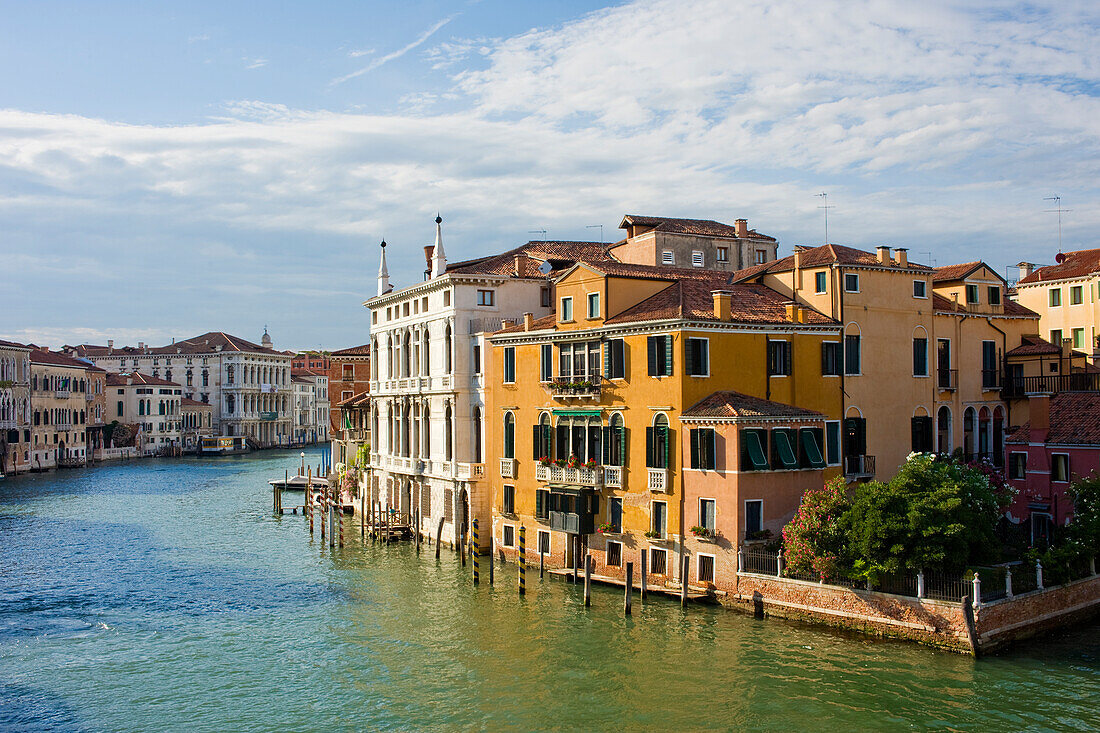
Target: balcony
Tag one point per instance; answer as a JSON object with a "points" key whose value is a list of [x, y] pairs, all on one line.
{"points": [[575, 388], [613, 476], [658, 480], [859, 466], [569, 476], [948, 380], [61, 394], [470, 471], [507, 467], [1016, 387]]}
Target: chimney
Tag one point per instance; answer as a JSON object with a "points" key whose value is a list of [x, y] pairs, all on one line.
{"points": [[1026, 268], [528, 321], [792, 311], [741, 227], [507, 323], [901, 257], [721, 304], [883, 254], [520, 268], [110, 346], [1038, 413]]}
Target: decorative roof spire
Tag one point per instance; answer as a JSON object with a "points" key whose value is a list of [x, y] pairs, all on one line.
{"points": [[384, 273], [439, 259]]}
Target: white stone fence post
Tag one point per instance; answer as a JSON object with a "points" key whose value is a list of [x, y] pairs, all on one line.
{"points": [[1008, 583], [740, 559], [1039, 575], [977, 592], [779, 564], [920, 583]]}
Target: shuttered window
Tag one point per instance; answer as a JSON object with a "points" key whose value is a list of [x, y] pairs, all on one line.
{"points": [[753, 455], [920, 357], [614, 360], [697, 357], [783, 450], [546, 362], [779, 358], [922, 434], [811, 441], [702, 448], [509, 365], [659, 356], [832, 359], [657, 446], [851, 354]]}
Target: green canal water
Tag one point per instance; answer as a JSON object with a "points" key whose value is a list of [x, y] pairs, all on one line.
{"points": [[162, 595]]}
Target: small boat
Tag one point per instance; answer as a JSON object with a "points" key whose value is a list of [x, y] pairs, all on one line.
{"points": [[298, 483], [223, 446]]}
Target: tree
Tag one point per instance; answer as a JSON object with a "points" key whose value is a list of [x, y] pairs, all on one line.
{"points": [[813, 541]]}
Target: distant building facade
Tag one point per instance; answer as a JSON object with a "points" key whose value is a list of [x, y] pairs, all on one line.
{"points": [[197, 423], [15, 407], [697, 243], [1066, 295], [315, 361], [311, 406], [348, 376], [151, 404], [62, 390]]}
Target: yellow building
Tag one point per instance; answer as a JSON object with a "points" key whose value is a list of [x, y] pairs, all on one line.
{"points": [[1066, 295], [583, 416], [65, 393], [923, 350]]}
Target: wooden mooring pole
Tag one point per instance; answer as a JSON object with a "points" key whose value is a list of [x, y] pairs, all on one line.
{"points": [[645, 580], [309, 504], [438, 537], [587, 580], [684, 582], [522, 560], [492, 541], [362, 513], [629, 587], [474, 554]]}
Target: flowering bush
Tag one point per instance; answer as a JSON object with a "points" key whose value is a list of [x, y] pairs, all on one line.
{"points": [[605, 528], [812, 541], [545, 461], [700, 531]]}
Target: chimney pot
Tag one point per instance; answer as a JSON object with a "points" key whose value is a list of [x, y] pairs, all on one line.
{"points": [[883, 254], [1026, 268], [792, 311], [722, 304], [901, 257], [520, 265], [741, 227], [528, 320]]}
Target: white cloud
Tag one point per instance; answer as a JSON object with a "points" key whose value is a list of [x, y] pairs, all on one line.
{"points": [[254, 63], [382, 60]]}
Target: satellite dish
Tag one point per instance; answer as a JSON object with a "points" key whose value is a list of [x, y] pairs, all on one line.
{"points": [[1059, 258], [545, 268]]}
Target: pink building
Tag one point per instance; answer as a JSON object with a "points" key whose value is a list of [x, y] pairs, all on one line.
{"points": [[1059, 445]]}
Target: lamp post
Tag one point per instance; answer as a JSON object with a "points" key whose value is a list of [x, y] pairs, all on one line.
{"points": [[303, 454]]}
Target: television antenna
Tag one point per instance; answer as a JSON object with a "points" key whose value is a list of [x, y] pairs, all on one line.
{"points": [[1059, 210], [825, 206], [593, 226], [538, 231]]}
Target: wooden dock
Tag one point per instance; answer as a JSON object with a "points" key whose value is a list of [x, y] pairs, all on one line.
{"points": [[694, 595]]}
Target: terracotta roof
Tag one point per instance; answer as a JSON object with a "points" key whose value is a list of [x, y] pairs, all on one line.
{"points": [[1079, 263], [734, 404], [363, 350], [538, 324], [948, 273], [137, 379], [207, 343], [1072, 420], [614, 268], [13, 344], [559, 253], [693, 300], [826, 254], [188, 402], [306, 373], [1008, 307], [41, 356], [1034, 346], [355, 400], [704, 227]]}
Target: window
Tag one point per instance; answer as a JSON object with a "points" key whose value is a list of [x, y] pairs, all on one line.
{"points": [[542, 504], [761, 256], [1055, 297], [477, 358], [509, 536], [706, 515], [615, 359], [697, 258], [921, 429], [424, 304], [754, 518], [1056, 336], [566, 310], [659, 518], [120, 407], [485, 297], [832, 359], [779, 358], [851, 283], [706, 568], [579, 360], [658, 561], [820, 282], [851, 354], [697, 357], [510, 365], [1017, 465], [972, 294], [509, 500], [593, 305], [832, 442], [509, 435], [446, 298], [989, 365], [668, 258], [920, 289], [657, 443], [783, 449], [994, 295], [702, 448], [544, 542], [1078, 338], [546, 362], [614, 442], [920, 357], [544, 297], [722, 254], [1059, 467], [754, 455], [1077, 295], [659, 356], [615, 513], [614, 554]]}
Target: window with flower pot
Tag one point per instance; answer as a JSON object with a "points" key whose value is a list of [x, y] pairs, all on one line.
{"points": [[658, 519], [707, 509], [579, 361], [578, 441], [615, 513]]}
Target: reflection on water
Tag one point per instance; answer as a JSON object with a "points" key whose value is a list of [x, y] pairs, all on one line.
{"points": [[163, 595]]}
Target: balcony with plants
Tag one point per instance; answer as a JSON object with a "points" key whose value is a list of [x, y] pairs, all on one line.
{"points": [[576, 388]]}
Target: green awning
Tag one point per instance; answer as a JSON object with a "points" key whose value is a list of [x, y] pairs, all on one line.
{"points": [[811, 449], [755, 450], [784, 448], [577, 413]]}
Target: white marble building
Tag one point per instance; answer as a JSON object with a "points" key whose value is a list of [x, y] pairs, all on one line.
{"points": [[311, 406]]}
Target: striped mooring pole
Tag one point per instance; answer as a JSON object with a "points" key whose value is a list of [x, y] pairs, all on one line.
{"points": [[474, 554], [522, 560]]}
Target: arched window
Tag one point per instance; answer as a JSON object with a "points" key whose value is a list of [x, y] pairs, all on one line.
{"points": [[943, 430], [985, 433], [230, 403], [426, 338], [853, 360], [406, 356], [509, 435], [448, 434], [969, 418], [616, 441], [658, 442], [448, 350], [477, 435], [389, 356]]}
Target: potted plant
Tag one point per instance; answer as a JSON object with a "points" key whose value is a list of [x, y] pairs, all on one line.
{"points": [[574, 462], [560, 462], [605, 528], [653, 534], [544, 460], [591, 464], [700, 531]]}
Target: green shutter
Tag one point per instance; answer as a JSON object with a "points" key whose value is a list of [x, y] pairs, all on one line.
{"points": [[810, 439], [649, 448], [668, 356], [754, 451], [651, 347], [607, 359], [784, 448], [667, 433], [694, 435], [622, 445], [712, 453]]}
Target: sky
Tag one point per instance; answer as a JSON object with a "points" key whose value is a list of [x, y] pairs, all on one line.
{"points": [[168, 169]]}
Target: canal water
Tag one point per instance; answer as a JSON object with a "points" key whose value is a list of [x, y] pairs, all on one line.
{"points": [[163, 595]]}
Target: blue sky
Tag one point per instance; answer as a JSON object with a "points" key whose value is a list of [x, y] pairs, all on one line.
{"points": [[167, 169]]}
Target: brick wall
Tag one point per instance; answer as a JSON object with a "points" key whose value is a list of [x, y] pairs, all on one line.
{"points": [[1005, 621]]}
